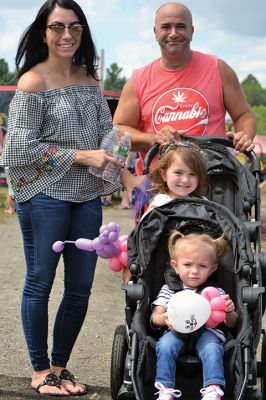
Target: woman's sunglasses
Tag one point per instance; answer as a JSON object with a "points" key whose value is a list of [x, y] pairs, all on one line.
{"points": [[75, 29]]}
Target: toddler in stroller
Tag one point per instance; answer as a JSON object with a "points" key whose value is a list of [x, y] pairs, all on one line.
{"points": [[241, 274], [193, 258]]}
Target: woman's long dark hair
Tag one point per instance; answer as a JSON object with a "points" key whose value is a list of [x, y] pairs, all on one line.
{"points": [[32, 49]]}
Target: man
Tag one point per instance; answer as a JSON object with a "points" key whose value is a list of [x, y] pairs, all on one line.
{"points": [[183, 93]]}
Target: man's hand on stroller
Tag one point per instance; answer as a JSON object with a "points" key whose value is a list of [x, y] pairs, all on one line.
{"points": [[241, 141], [167, 133]]}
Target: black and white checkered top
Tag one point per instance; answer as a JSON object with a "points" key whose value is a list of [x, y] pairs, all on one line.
{"points": [[44, 131]]}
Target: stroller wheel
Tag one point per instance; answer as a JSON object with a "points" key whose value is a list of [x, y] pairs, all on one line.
{"points": [[118, 358]]}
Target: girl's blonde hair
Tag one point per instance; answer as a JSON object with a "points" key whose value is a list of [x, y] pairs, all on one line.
{"points": [[190, 156], [219, 245]]}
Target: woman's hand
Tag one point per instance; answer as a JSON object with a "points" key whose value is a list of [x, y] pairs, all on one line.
{"points": [[94, 158]]}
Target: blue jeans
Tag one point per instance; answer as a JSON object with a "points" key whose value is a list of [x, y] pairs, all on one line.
{"points": [[44, 220], [209, 348]]}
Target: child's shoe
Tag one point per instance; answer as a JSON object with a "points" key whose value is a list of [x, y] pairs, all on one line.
{"points": [[166, 393], [212, 392]]}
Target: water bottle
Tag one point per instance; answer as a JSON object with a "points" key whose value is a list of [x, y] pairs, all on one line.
{"points": [[111, 172], [109, 143]]}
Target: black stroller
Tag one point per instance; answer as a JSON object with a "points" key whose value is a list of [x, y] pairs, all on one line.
{"points": [[233, 207]]}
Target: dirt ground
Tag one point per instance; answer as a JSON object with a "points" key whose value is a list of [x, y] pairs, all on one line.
{"points": [[91, 356]]}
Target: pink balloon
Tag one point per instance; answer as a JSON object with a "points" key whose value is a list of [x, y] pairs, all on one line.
{"points": [[123, 246], [210, 292], [218, 313], [211, 323], [115, 264], [97, 245], [216, 318], [58, 246], [123, 238], [84, 244], [123, 257], [218, 303]]}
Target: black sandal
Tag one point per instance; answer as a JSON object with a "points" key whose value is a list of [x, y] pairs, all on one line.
{"points": [[67, 376], [50, 380]]}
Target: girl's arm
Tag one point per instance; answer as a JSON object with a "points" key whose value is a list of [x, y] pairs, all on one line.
{"points": [[159, 316], [231, 314], [130, 181]]}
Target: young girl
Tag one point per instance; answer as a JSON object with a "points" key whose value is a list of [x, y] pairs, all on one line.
{"points": [[179, 172], [194, 258]]}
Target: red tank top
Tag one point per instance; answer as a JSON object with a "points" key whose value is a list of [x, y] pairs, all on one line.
{"points": [[189, 99]]}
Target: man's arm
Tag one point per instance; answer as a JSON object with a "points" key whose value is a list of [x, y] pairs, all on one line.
{"points": [[236, 104], [126, 117]]}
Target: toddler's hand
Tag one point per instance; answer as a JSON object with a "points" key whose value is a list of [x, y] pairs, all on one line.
{"points": [[167, 323], [229, 304]]}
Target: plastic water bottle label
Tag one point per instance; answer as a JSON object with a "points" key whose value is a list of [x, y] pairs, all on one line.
{"points": [[123, 151]]}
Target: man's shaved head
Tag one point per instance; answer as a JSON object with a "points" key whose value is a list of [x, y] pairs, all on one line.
{"points": [[175, 7]]}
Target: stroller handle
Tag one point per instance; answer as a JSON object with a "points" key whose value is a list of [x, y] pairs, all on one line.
{"points": [[254, 160]]}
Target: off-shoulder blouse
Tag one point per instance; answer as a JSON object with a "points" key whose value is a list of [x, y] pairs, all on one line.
{"points": [[44, 131]]}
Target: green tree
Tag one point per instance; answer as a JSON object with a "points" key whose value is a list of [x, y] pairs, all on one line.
{"points": [[260, 112], [6, 77], [113, 80], [256, 97], [255, 94]]}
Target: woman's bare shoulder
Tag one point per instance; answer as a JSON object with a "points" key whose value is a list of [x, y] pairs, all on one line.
{"points": [[31, 81]]}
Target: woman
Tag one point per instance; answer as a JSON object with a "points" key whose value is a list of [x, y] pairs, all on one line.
{"points": [[57, 120]]}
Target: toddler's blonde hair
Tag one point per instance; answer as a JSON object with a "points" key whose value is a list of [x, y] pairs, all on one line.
{"points": [[176, 238]]}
